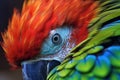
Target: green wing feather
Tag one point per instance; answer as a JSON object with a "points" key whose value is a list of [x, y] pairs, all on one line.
{"points": [[97, 57]]}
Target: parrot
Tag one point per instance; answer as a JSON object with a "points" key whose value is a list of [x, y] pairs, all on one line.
{"points": [[65, 40]]}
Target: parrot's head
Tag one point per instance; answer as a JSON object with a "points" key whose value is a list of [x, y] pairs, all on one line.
{"points": [[45, 31]]}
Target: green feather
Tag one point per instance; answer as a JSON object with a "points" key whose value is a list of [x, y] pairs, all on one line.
{"points": [[102, 68], [90, 59], [86, 64], [71, 64], [64, 72]]}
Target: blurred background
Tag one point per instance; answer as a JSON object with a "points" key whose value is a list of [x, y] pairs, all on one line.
{"points": [[6, 10]]}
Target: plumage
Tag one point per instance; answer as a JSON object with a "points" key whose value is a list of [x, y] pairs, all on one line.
{"points": [[27, 30], [49, 29], [97, 57]]}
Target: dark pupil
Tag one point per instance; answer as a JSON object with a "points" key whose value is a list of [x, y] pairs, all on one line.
{"points": [[56, 39]]}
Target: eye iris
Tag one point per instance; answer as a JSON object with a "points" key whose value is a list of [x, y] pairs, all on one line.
{"points": [[56, 39]]}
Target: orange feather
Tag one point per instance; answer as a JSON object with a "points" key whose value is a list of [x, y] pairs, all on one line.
{"points": [[27, 30]]}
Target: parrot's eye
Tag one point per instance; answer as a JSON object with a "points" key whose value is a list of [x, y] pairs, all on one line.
{"points": [[56, 39]]}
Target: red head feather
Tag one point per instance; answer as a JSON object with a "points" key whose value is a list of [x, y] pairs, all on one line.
{"points": [[27, 31]]}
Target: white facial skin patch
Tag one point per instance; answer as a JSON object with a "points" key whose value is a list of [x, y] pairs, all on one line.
{"points": [[57, 46]]}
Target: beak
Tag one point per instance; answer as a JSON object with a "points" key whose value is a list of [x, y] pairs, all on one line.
{"points": [[37, 69]]}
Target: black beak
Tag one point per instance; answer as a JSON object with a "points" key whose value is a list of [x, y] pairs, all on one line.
{"points": [[37, 70]]}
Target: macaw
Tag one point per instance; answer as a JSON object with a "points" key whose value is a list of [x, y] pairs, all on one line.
{"points": [[65, 40]]}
